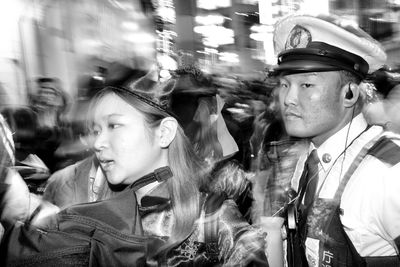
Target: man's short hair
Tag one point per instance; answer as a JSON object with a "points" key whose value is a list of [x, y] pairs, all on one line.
{"points": [[348, 77]]}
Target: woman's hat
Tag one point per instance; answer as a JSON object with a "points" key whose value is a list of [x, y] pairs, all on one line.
{"points": [[187, 82], [179, 97], [149, 89]]}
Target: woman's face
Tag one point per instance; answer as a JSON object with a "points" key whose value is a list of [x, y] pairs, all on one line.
{"points": [[123, 144]]}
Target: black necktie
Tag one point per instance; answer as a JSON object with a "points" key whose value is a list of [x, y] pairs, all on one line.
{"points": [[307, 189], [309, 179]]}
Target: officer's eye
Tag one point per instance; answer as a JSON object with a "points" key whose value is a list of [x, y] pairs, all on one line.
{"points": [[306, 85]]}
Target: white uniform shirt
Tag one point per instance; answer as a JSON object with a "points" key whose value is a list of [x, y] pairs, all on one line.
{"points": [[371, 199]]}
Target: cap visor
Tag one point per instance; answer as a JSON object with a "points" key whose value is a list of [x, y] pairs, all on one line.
{"points": [[300, 66]]}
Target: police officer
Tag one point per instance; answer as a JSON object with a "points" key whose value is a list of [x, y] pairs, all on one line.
{"points": [[348, 201]]}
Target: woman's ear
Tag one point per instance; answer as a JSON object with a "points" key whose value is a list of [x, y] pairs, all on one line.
{"points": [[167, 131]]}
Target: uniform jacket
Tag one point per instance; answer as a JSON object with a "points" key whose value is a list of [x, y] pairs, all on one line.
{"points": [[370, 204]]}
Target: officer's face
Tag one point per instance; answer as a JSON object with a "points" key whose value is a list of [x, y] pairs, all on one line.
{"points": [[311, 105]]}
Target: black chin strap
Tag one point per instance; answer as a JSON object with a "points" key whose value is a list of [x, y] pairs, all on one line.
{"points": [[160, 175]]}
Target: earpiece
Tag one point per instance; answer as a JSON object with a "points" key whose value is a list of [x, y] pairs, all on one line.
{"points": [[349, 93]]}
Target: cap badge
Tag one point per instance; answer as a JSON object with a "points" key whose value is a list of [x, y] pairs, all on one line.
{"points": [[299, 37]]}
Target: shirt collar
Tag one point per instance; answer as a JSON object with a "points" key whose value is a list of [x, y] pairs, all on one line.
{"points": [[335, 145]]}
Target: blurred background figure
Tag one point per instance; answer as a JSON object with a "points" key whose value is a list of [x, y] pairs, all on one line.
{"points": [[392, 107], [381, 93], [275, 156], [200, 110], [198, 107], [7, 159], [39, 128], [23, 123], [50, 104]]}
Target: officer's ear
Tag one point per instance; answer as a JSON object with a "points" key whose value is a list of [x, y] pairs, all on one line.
{"points": [[167, 131], [351, 93]]}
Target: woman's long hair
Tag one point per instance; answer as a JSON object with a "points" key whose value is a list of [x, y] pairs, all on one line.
{"points": [[186, 167]]}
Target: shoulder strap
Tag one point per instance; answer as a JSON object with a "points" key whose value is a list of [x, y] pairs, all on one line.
{"points": [[354, 165], [382, 148], [386, 150]]}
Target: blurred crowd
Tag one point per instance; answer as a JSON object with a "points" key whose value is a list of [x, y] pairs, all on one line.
{"points": [[233, 124], [48, 138]]}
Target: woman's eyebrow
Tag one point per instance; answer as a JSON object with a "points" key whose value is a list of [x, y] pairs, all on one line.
{"points": [[108, 116]]}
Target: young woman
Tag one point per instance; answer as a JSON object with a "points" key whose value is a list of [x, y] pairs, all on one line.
{"points": [[134, 134], [139, 143]]}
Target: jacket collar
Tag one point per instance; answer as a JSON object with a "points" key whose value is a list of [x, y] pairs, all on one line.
{"points": [[158, 198], [160, 175]]}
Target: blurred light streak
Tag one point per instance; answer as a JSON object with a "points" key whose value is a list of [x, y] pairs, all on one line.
{"points": [[264, 33], [139, 37], [170, 33], [90, 43], [262, 28], [213, 30], [215, 35], [257, 36], [213, 4], [124, 4], [129, 25], [166, 62], [217, 41], [210, 50], [347, 22], [167, 13], [241, 14], [315, 7], [229, 57], [10, 12], [210, 19], [165, 74]]}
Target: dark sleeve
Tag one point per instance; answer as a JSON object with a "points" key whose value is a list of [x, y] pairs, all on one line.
{"points": [[239, 242]]}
